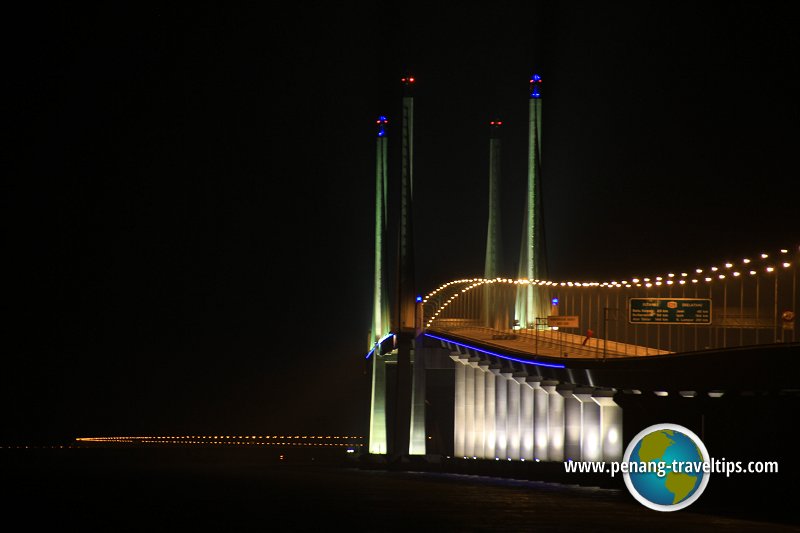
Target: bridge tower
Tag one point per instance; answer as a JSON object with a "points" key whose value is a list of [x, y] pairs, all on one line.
{"points": [[409, 419], [532, 264], [380, 305], [492, 316], [397, 423], [493, 241]]}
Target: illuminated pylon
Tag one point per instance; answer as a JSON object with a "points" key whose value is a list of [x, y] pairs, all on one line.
{"points": [[494, 316], [380, 307], [532, 264]]}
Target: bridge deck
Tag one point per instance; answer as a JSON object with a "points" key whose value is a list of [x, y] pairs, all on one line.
{"points": [[551, 343]]}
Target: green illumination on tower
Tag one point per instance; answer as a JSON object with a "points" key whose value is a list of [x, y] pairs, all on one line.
{"points": [[494, 315], [531, 258], [380, 306], [493, 241]]}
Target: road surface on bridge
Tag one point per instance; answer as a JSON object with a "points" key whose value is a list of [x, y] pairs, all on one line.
{"points": [[549, 343]]}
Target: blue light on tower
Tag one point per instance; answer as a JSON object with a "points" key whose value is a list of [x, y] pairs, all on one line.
{"points": [[382, 125], [554, 301], [536, 86]]}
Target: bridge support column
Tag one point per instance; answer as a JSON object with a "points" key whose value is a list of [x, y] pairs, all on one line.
{"points": [[480, 409], [459, 434], [555, 422], [489, 421], [572, 422], [501, 413], [377, 416], [610, 425], [591, 444], [417, 442], [469, 413], [526, 421], [541, 436], [512, 422]]}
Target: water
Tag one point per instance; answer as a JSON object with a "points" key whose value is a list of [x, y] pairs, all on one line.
{"points": [[227, 490]]}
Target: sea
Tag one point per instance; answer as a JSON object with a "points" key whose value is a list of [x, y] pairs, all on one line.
{"points": [[191, 489]]}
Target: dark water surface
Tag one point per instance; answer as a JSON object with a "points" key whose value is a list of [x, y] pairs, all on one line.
{"points": [[182, 490]]}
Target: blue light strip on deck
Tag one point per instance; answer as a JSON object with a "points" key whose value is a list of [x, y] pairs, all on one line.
{"points": [[378, 344], [551, 365]]}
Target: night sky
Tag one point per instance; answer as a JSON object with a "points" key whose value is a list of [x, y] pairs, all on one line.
{"points": [[188, 192]]}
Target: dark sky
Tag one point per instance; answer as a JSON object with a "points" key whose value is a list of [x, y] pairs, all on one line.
{"points": [[188, 192]]}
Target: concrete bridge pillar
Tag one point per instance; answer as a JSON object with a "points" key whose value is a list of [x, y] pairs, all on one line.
{"points": [[526, 420], [541, 426], [610, 425], [459, 418], [489, 420], [469, 411], [477, 407], [555, 422], [501, 413], [377, 420], [418, 444], [513, 421], [481, 369], [572, 422], [591, 443]]}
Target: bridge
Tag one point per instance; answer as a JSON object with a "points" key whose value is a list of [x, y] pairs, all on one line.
{"points": [[536, 368]]}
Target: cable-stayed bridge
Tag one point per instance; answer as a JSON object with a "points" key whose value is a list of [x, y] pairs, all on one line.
{"points": [[536, 368]]}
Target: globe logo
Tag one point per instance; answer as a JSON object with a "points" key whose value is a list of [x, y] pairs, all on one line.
{"points": [[668, 467]]}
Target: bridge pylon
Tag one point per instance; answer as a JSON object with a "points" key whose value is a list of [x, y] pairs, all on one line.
{"points": [[532, 259], [397, 423], [380, 305]]}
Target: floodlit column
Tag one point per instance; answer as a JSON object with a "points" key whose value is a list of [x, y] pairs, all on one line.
{"points": [[591, 446], [501, 414], [377, 417], [541, 436], [526, 421], [459, 435], [417, 440], [572, 422], [480, 408], [380, 306], [469, 413], [512, 422], [610, 425], [489, 446], [555, 422]]}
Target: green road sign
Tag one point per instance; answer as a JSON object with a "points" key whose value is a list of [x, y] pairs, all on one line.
{"points": [[669, 311]]}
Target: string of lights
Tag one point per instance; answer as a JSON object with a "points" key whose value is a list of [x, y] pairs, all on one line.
{"points": [[234, 440], [763, 263]]}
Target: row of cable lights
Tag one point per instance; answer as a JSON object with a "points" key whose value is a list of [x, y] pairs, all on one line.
{"points": [[475, 282], [437, 291], [444, 286], [634, 282], [451, 298], [478, 282], [715, 273]]}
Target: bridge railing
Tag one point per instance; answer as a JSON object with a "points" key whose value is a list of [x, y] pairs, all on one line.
{"points": [[752, 301]]}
